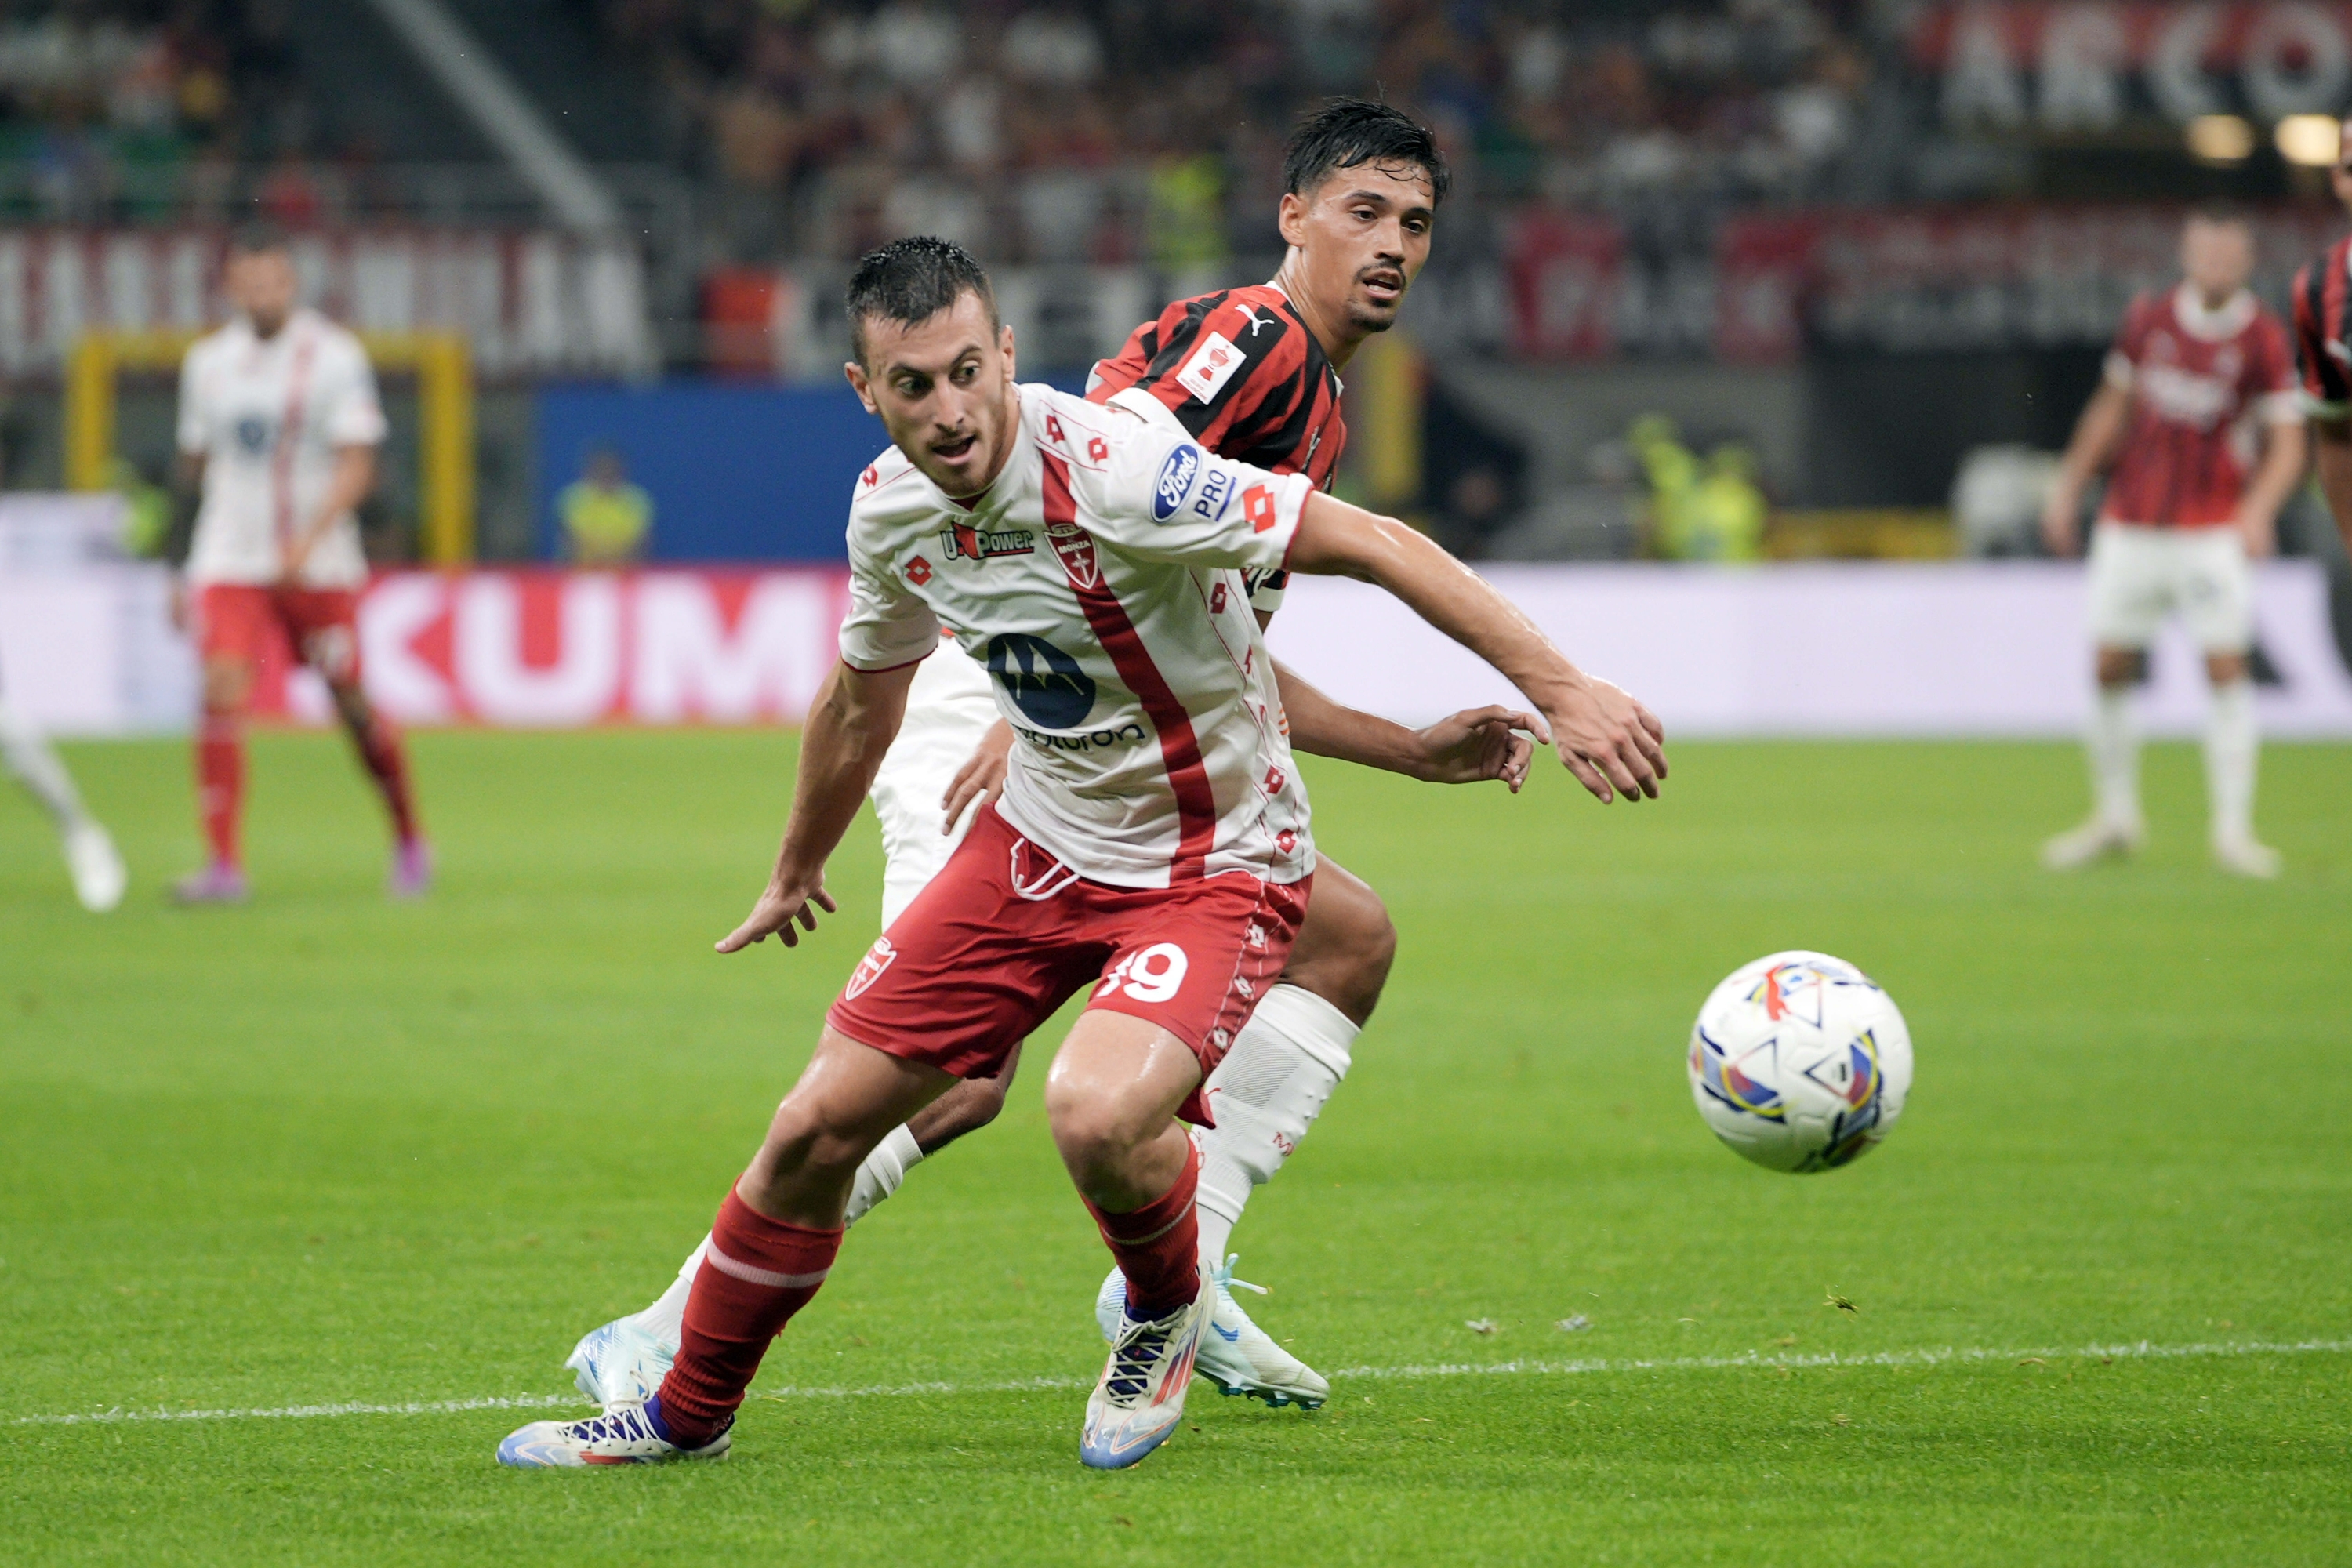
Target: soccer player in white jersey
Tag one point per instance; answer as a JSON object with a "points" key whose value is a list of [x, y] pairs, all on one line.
{"points": [[279, 415], [91, 856], [1154, 855], [1252, 374]]}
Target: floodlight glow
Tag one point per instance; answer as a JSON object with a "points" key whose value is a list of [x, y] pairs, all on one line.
{"points": [[2311, 140], [2221, 139]]}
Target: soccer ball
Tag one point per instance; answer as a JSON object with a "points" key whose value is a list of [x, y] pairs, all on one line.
{"points": [[1799, 1062]]}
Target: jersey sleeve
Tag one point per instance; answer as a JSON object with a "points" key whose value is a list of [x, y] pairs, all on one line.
{"points": [[888, 624], [353, 416], [193, 434], [2123, 357], [2270, 390], [2326, 383], [1225, 366], [1159, 496]]}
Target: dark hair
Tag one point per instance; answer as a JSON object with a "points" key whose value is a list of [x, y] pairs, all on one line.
{"points": [[910, 280], [1346, 132], [256, 237]]}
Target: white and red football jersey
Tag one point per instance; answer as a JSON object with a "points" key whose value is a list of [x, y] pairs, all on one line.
{"points": [[2200, 380], [1098, 582], [267, 415]]}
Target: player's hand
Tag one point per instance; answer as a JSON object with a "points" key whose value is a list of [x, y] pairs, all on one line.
{"points": [[1477, 744], [179, 603], [2060, 512], [1612, 743], [2261, 534], [981, 777], [780, 906], [297, 556]]}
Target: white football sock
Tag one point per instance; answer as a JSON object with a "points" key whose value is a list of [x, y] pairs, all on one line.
{"points": [[2231, 745], [2114, 746], [1265, 1094], [883, 1170], [877, 1178], [28, 756]]}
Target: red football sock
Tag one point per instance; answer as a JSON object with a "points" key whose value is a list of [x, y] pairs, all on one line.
{"points": [[387, 762], [220, 781], [1157, 1245], [758, 1272]]}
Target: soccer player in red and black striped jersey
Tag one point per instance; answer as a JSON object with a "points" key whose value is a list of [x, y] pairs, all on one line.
{"points": [[2199, 381], [2323, 342]]}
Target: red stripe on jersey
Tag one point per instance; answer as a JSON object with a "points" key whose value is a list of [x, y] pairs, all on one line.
{"points": [[1179, 748], [290, 431], [2335, 270]]}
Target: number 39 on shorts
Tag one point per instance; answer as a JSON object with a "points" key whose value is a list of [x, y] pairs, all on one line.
{"points": [[1153, 974]]}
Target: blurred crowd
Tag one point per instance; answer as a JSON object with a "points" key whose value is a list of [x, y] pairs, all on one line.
{"points": [[1151, 129]]}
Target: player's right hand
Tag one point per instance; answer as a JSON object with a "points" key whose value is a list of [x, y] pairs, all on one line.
{"points": [[1612, 743], [779, 906], [981, 777], [2059, 512]]}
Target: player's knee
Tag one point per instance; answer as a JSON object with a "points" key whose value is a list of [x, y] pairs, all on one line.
{"points": [[2122, 666], [1096, 1135], [1349, 967], [2225, 668]]}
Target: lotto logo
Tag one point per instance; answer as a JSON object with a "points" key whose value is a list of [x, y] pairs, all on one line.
{"points": [[1274, 781], [869, 968], [919, 571], [1154, 974], [1286, 841], [1211, 365], [1257, 505], [870, 477], [1097, 450], [1257, 936], [1217, 600], [1054, 431]]}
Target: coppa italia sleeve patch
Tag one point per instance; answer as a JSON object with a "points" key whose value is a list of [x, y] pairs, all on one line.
{"points": [[1211, 365]]}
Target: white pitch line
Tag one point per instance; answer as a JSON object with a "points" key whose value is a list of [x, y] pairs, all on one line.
{"points": [[2141, 1349]]}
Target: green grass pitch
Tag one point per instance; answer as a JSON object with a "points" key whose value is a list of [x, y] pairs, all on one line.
{"points": [[323, 1150]]}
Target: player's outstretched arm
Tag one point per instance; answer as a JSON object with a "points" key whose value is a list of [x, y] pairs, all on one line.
{"points": [[2331, 450], [1470, 747], [1610, 743], [851, 724], [2094, 443]]}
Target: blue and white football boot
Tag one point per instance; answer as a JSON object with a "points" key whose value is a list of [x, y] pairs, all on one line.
{"points": [[1236, 1355], [630, 1434], [1141, 1395], [620, 1364]]}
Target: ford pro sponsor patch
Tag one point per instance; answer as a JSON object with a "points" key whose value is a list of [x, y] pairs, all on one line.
{"points": [[1177, 472]]}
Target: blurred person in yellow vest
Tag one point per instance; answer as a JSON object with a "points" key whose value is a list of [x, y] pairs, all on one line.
{"points": [[1710, 510], [606, 520]]}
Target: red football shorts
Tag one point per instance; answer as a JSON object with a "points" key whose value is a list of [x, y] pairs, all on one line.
{"points": [[1004, 934], [321, 625]]}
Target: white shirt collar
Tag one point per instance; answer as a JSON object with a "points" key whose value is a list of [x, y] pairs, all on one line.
{"points": [[2217, 325]]}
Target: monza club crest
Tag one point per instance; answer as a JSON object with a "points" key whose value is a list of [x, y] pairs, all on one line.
{"points": [[1075, 547], [869, 969]]}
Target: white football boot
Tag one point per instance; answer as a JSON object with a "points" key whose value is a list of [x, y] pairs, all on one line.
{"points": [[1141, 1395], [1236, 1355], [2243, 855], [620, 1364], [97, 866], [621, 1436], [2094, 840]]}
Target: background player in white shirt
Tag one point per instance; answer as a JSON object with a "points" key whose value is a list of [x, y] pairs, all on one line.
{"points": [[1150, 846], [278, 417]]}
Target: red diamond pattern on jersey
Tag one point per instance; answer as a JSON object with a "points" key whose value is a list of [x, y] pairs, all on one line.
{"points": [[2197, 376]]}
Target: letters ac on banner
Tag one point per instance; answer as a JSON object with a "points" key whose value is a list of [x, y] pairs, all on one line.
{"points": [[552, 649]]}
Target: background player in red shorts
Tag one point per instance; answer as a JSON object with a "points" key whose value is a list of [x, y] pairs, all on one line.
{"points": [[1156, 855], [2198, 380], [278, 417]]}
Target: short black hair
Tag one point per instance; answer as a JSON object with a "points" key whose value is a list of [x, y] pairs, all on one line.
{"points": [[913, 279], [257, 236], [2220, 214], [1346, 132]]}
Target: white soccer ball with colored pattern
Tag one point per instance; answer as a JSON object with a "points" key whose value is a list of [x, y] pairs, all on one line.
{"points": [[1799, 1062]]}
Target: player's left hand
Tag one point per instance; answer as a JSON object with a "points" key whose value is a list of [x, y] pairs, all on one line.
{"points": [[779, 905], [2261, 534], [981, 777], [297, 556], [1477, 744], [1613, 745]]}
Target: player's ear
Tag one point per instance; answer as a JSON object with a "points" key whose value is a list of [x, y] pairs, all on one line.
{"points": [[859, 385], [1004, 346], [1291, 218]]}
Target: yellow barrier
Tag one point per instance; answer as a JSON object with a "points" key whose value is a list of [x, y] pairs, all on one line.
{"points": [[445, 388]]}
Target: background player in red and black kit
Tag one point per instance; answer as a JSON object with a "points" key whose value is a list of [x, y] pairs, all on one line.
{"points": [[2323, 342]]}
